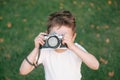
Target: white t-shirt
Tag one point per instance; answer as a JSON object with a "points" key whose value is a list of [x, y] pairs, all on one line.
{"points": [[61, 66]]}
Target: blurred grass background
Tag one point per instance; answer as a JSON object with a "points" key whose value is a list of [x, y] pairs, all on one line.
{"points": [[98, 30]]}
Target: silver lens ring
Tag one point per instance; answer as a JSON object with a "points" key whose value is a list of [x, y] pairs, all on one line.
{"points": [[53, 42]]}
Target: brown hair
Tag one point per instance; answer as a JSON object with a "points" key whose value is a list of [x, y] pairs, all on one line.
{"points": [[61, 18]]}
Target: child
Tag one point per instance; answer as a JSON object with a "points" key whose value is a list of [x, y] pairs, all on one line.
{"points": [[60, 64]]}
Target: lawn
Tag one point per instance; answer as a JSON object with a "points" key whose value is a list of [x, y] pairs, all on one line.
{"points": [[98, 30]]}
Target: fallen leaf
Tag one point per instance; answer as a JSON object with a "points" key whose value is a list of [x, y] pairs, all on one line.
{"points": [[109, 2], [61, 5], [92, 25], [111, 74], [91, 4], [8, 56], [1, 17], [74, 2], [103, 61], [1, 40], [16, 15], [97, 27], [82, 3], [7, 78], [24, 20], [97, 35], [107, 40], [106, 27], [98, 8], [9, 24], [81, 42]]}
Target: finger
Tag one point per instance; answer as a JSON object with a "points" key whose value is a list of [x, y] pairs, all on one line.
{"points": [[39, 37], [42, 33], [63, 41], [41, 42]]}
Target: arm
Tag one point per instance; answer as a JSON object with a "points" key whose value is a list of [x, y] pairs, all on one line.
{"points": [[25, 66], [86, 57]]}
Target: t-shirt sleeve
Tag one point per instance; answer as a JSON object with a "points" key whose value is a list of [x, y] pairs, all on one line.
{"points": [[81, 47], [79, 59], [41, 56]]}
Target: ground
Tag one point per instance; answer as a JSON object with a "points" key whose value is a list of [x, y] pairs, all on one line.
{"points": [[98, 30]]}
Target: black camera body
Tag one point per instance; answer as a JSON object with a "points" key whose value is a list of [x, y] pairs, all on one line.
{"points": [[53, 40]]}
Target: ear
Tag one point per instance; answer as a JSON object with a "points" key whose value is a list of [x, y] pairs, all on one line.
{"points": [[74, 36]]}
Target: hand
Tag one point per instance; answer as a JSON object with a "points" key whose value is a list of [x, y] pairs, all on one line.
{"points": [[39, 40], [69, 40]]}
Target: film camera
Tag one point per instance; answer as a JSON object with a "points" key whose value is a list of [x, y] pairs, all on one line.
{"points": [[53, 40]]}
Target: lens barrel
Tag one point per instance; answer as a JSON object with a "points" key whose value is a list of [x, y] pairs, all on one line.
{"points": [[53, 42]]}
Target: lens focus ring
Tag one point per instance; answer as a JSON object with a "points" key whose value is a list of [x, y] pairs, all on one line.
{"points": [[53, 42]]}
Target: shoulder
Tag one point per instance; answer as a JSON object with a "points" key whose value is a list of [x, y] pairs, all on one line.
{"points": [[44, 53], [81, 47]]}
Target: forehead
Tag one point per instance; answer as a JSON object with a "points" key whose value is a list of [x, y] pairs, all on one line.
{"points": [[62, 30]]}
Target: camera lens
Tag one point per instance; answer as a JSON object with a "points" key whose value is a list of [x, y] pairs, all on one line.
{"points": [[53, 42]]}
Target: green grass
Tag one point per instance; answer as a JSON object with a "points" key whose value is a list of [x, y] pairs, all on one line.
{"points": [[98, 30]]}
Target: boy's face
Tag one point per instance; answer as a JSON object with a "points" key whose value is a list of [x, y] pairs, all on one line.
{"points": [[66, 31]]}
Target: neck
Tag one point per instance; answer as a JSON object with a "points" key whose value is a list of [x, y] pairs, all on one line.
{"points": [[60, 50]]}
